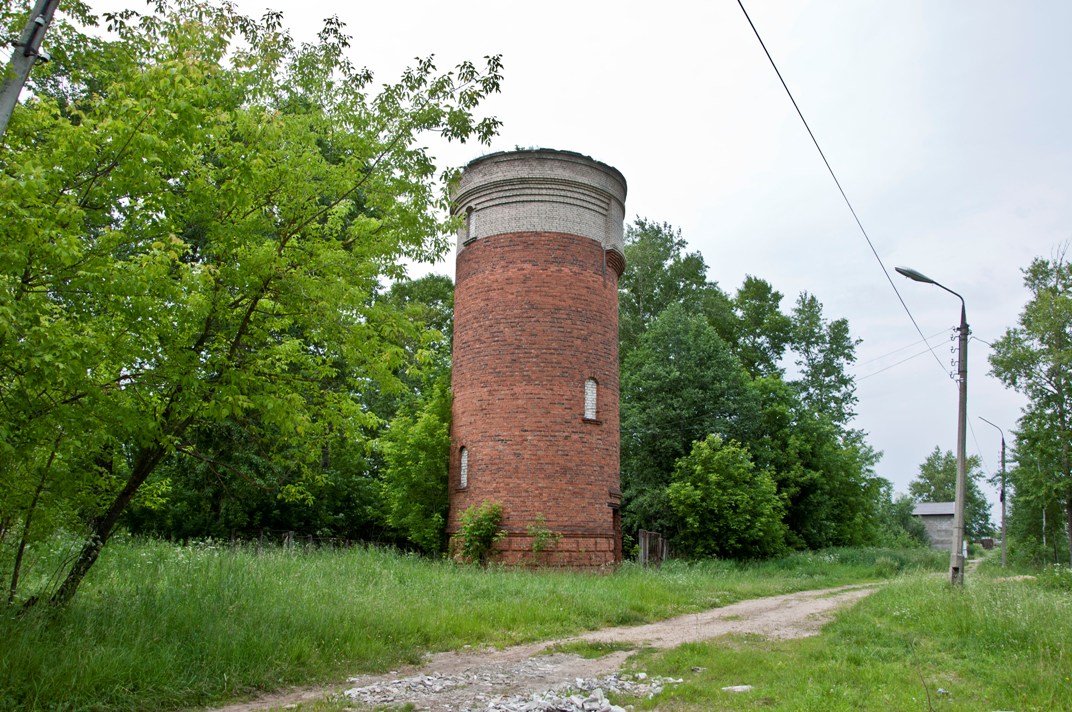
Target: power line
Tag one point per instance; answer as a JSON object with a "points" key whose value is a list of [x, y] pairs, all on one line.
{"points": [[904, 348], [978, 447], [838, 184], [887, 368]]}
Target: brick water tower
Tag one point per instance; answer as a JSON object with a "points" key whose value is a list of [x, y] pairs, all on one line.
{"points": [[535, 374]]}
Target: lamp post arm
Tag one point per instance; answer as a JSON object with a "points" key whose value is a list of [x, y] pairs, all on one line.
{"points": [[962, 308]]}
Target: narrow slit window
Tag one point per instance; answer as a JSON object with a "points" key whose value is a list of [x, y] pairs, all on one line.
{"points": [[463, 469], [590, 392], [470, 225]]}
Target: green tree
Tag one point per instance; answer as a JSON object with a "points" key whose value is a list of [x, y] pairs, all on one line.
{"points": [[683, 380], [824, 350], [937, 482], [416, 450], [229, 479], [762, 331], [1034, 358], [825, 473], [197, 235], [723, 505], [415, 443], [680, 384], [428, 300], [898, 527], [660, 273], [426, 304], [1034, 493]]}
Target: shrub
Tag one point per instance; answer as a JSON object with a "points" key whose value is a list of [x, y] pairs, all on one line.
{"points": [[480, 530], [724, 504], [416, 449], [543, 537], [1056, 577]]}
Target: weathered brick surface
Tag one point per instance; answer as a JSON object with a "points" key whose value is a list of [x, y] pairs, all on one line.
{"points": [[536, 314]]}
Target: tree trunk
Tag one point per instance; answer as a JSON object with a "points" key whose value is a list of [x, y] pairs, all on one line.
{"points": [[17, 566], [1066, 466], [147, 460], [149, 457], [1068, 526], [28, 521]]}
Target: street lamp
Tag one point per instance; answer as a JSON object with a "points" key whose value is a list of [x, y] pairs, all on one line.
{"points": [[1002, 487], [956, 555]]}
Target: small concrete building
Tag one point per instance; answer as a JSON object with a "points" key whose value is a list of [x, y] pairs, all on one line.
{"points": [[937, 517]]}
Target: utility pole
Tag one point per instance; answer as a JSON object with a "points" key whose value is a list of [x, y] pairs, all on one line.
{"points": [[26, 53], [956, 553], [1003, 537], [957, 568], [1002, 487]]}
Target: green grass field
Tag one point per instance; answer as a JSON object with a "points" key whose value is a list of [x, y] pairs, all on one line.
{"points": [[916, 644], [161, 626]]}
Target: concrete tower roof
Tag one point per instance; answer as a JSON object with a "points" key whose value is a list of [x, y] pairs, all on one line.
{"points": [[542, 190]]}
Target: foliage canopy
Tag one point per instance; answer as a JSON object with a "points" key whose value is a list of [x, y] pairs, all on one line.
{"points": [[727, 507], [697, 362], [197, 223], [1033, 358]]}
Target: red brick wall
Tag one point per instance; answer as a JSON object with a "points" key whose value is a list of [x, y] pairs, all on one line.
{"points": [[535, 315]]}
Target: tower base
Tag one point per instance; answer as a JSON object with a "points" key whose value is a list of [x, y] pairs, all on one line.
{"points": [[584, 552]]}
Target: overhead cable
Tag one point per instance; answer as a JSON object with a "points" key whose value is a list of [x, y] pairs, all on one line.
{"points": [[840, 189]]}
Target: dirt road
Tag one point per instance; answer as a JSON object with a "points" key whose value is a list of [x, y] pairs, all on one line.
{"points": [[462, 679]]}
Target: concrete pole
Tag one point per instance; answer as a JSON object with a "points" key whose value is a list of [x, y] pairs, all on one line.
{"points": [[1003, 500], [956, 559], [956, 553], [25, 55], [1002, 494]]}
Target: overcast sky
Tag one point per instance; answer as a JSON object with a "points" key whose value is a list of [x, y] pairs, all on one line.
{"points": [[947, 124]]}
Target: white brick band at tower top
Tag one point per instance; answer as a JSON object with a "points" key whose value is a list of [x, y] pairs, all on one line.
{"points": [[541, 190]]}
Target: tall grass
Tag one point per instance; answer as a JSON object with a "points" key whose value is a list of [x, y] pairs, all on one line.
{"points": [[915, 644], [160, 626]]}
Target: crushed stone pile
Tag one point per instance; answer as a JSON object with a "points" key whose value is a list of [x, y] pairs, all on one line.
{"points": [[578, 695]]}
